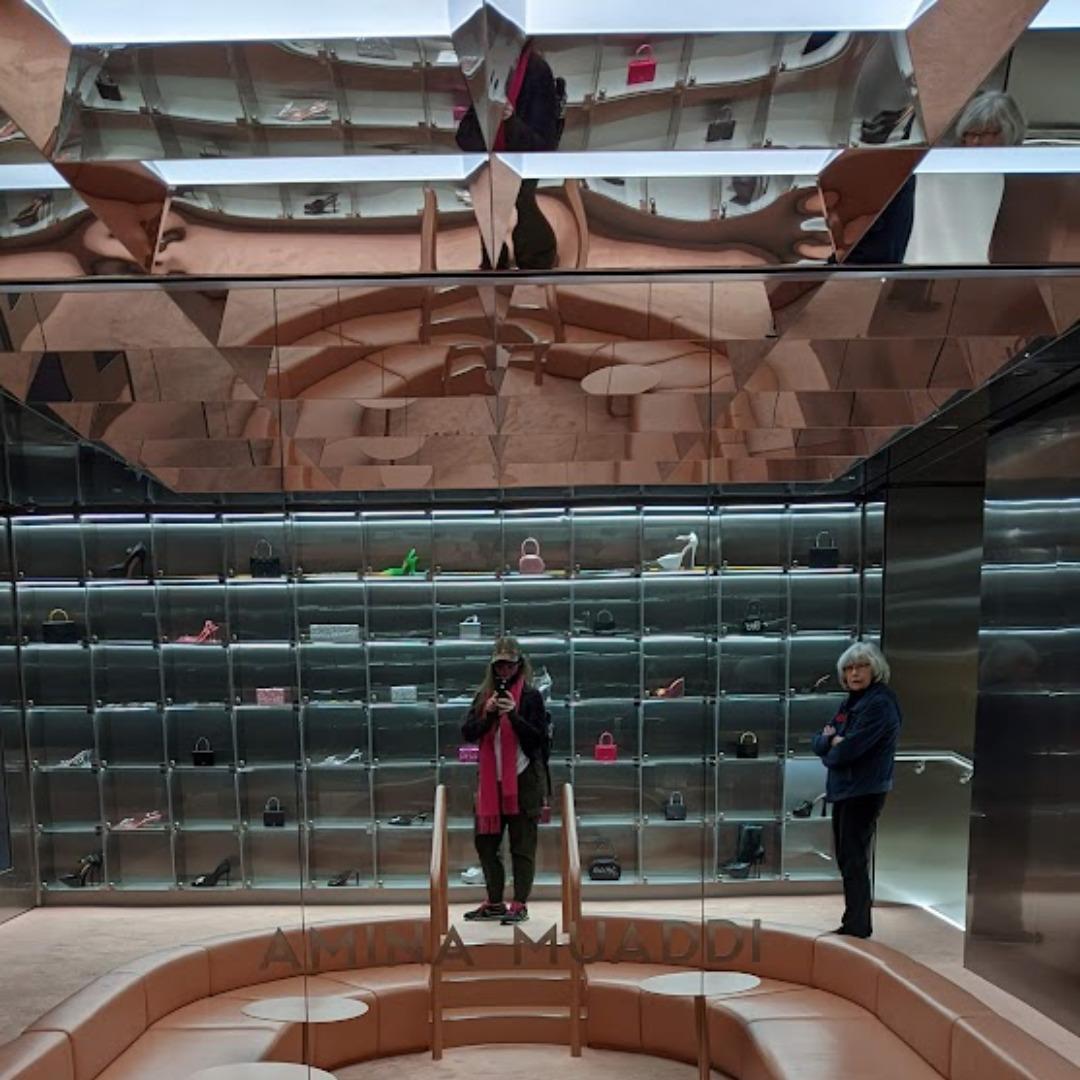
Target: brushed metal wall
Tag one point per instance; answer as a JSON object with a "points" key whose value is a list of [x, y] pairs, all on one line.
{"points": [[17, 893], [1024, 870]]}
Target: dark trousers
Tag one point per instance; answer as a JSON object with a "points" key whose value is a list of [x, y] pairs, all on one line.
{"points": [[854, 823], [534, 238], [523, 829]]}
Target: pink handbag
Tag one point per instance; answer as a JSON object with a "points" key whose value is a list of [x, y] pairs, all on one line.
{"points": [[530, 561], [605, 748], [270, 695], [468, 753], [642, 68]]}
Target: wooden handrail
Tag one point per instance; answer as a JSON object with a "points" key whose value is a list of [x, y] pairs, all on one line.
{"points": [[571, 864], [439, 915]]}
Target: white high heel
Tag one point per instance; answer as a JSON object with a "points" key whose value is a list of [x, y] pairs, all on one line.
{"points": [[543, 684], [84, 759], [679, 560]]}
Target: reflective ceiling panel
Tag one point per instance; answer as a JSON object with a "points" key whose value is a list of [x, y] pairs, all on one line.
{"points": [[367, 162]]}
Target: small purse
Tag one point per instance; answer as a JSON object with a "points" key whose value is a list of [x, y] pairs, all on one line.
{"points": [[344, 633], [722, 128], [404, 695], [605, 867], [675, 807], [604, 623], [203, 753], [263, 561], [270, 695], [530, 561], [468, 753], [273, 815], [605, 748], [824, 555], [469, 629], [747, 746], [753, 621], [60, 628], [642, 66]]}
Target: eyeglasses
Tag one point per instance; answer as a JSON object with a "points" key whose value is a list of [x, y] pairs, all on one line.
{"points": [[858, 665]]}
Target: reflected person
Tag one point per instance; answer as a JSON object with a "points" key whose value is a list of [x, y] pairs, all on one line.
{"points": [[532, 121], [508, 719], [858, 748]]}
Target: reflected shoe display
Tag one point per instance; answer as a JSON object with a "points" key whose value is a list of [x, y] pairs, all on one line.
{"points": [[207, 636], [88, 873], [326, 204], [684, 559], [342, 879], [543, 682], [408, 819], [353, 758], [806, 807], [84, 759], [208, 881], [884, 125], [472, 875], [675, 688], [408, 566], [147, 821], [133, 564], [515, 912], [319, 109], [487, 913], [749, 854], [33, 212]]}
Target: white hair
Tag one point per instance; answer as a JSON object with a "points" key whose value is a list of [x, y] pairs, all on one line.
{"points": [[994, 111], [868, 651]]}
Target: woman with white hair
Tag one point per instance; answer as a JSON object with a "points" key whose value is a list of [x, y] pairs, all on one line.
{"points": [[858, 748]]}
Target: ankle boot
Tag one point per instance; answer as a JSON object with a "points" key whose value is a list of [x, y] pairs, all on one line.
{"points": [[749, 853]]}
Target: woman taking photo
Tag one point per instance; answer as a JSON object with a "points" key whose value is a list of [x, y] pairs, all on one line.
{"points": [[858, 748], [508, 719]]}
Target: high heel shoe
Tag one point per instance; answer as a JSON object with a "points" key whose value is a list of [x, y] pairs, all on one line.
{"points": [[325, 204], [338, 880], [208, 635], [407, 567], [84, 759], [208, 881], [543, 683], [879, 129], [681, 560], [408, 819], [133, 564], [749, 854], [806, 807], [675, 688], [32, 212], [89, 867]]}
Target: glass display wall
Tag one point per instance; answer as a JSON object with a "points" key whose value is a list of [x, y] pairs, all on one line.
{"points": [[284, 691]]}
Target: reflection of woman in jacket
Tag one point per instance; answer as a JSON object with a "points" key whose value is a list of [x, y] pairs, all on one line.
{"points": [[507, 718], [532, 123], [858, 748]]}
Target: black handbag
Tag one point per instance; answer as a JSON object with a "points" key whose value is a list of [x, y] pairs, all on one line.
{"points": [[604, 623], [605, 868], [824, 555], [203, 753], [273, 815], [747, 746], [722, 128], [263, 562], [753, 621], [60, 628], [675, 807]]}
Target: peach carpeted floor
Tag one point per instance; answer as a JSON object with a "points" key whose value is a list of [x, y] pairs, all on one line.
{"points": [[49, 952], [524, 1061]]}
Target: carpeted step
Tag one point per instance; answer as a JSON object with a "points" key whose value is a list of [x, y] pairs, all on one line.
{"points": [[473, 1025]]}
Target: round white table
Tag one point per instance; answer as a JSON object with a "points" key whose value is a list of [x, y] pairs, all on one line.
{"points": [[700, 985], [317, 1009], [263, 1070]]}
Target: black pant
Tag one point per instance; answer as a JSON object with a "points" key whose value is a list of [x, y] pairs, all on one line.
{"points": [[523, 829], [854, 823], [534, 238]]}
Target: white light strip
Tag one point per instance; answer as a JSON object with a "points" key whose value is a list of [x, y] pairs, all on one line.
{"points": [[1001, 159], [386, 168], [117, 22], [944, 918], [673, 163], [31, 177], [708, 16], [1058, 15]]}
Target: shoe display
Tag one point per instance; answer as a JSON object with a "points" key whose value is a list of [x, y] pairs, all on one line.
{"points": [[408, 566], [881, 127], [89, 870], [324, 204], [319, 109], [543, 683], [133, 565], [806, 807], [472, 875], [515, 912], [749, 854], [147, 821], [675, 688], [208, 635], [33, 212], [408, 819], [84, 759], [208, 881], [486, 913], [356, 755], [342, 879], [684, 559]]}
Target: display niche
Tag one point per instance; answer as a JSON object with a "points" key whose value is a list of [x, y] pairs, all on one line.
{"points": [[267, 702]]}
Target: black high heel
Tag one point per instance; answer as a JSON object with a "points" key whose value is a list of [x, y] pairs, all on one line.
{"points": [[877, 130], [208, 881], [344, 877], [749, 854], [133, 555], [89, 867]]}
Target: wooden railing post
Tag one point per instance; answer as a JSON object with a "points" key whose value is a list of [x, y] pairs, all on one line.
{"points": [[438, 916], [571, 910]]}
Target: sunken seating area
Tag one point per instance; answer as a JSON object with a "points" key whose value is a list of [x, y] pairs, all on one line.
{"points": [[825, 1007]]}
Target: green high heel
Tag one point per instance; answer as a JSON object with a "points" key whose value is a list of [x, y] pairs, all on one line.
{"points": [[408, 566]]}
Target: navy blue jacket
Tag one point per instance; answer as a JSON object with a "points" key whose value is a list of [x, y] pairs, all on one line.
{"points": [[863, 763]]}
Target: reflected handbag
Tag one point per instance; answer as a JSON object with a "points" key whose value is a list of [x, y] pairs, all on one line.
{"points": [[270, 695], [59, 628], [675, 807], [642, 66], [747, 746], [530, 561], [469, 753], [722, 128], [203, 752], [346, 633], [604, 623], [753, 621], [605, 867], [263, 561], [470, 629], [273, 815], [605, 748], [824, 555]]}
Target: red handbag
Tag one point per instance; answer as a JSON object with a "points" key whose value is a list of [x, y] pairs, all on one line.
{"points": [[642, 66], [469, 753], [605, 748]]}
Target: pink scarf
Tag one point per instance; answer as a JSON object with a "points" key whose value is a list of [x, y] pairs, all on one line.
{"points": [[489, 806]]}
